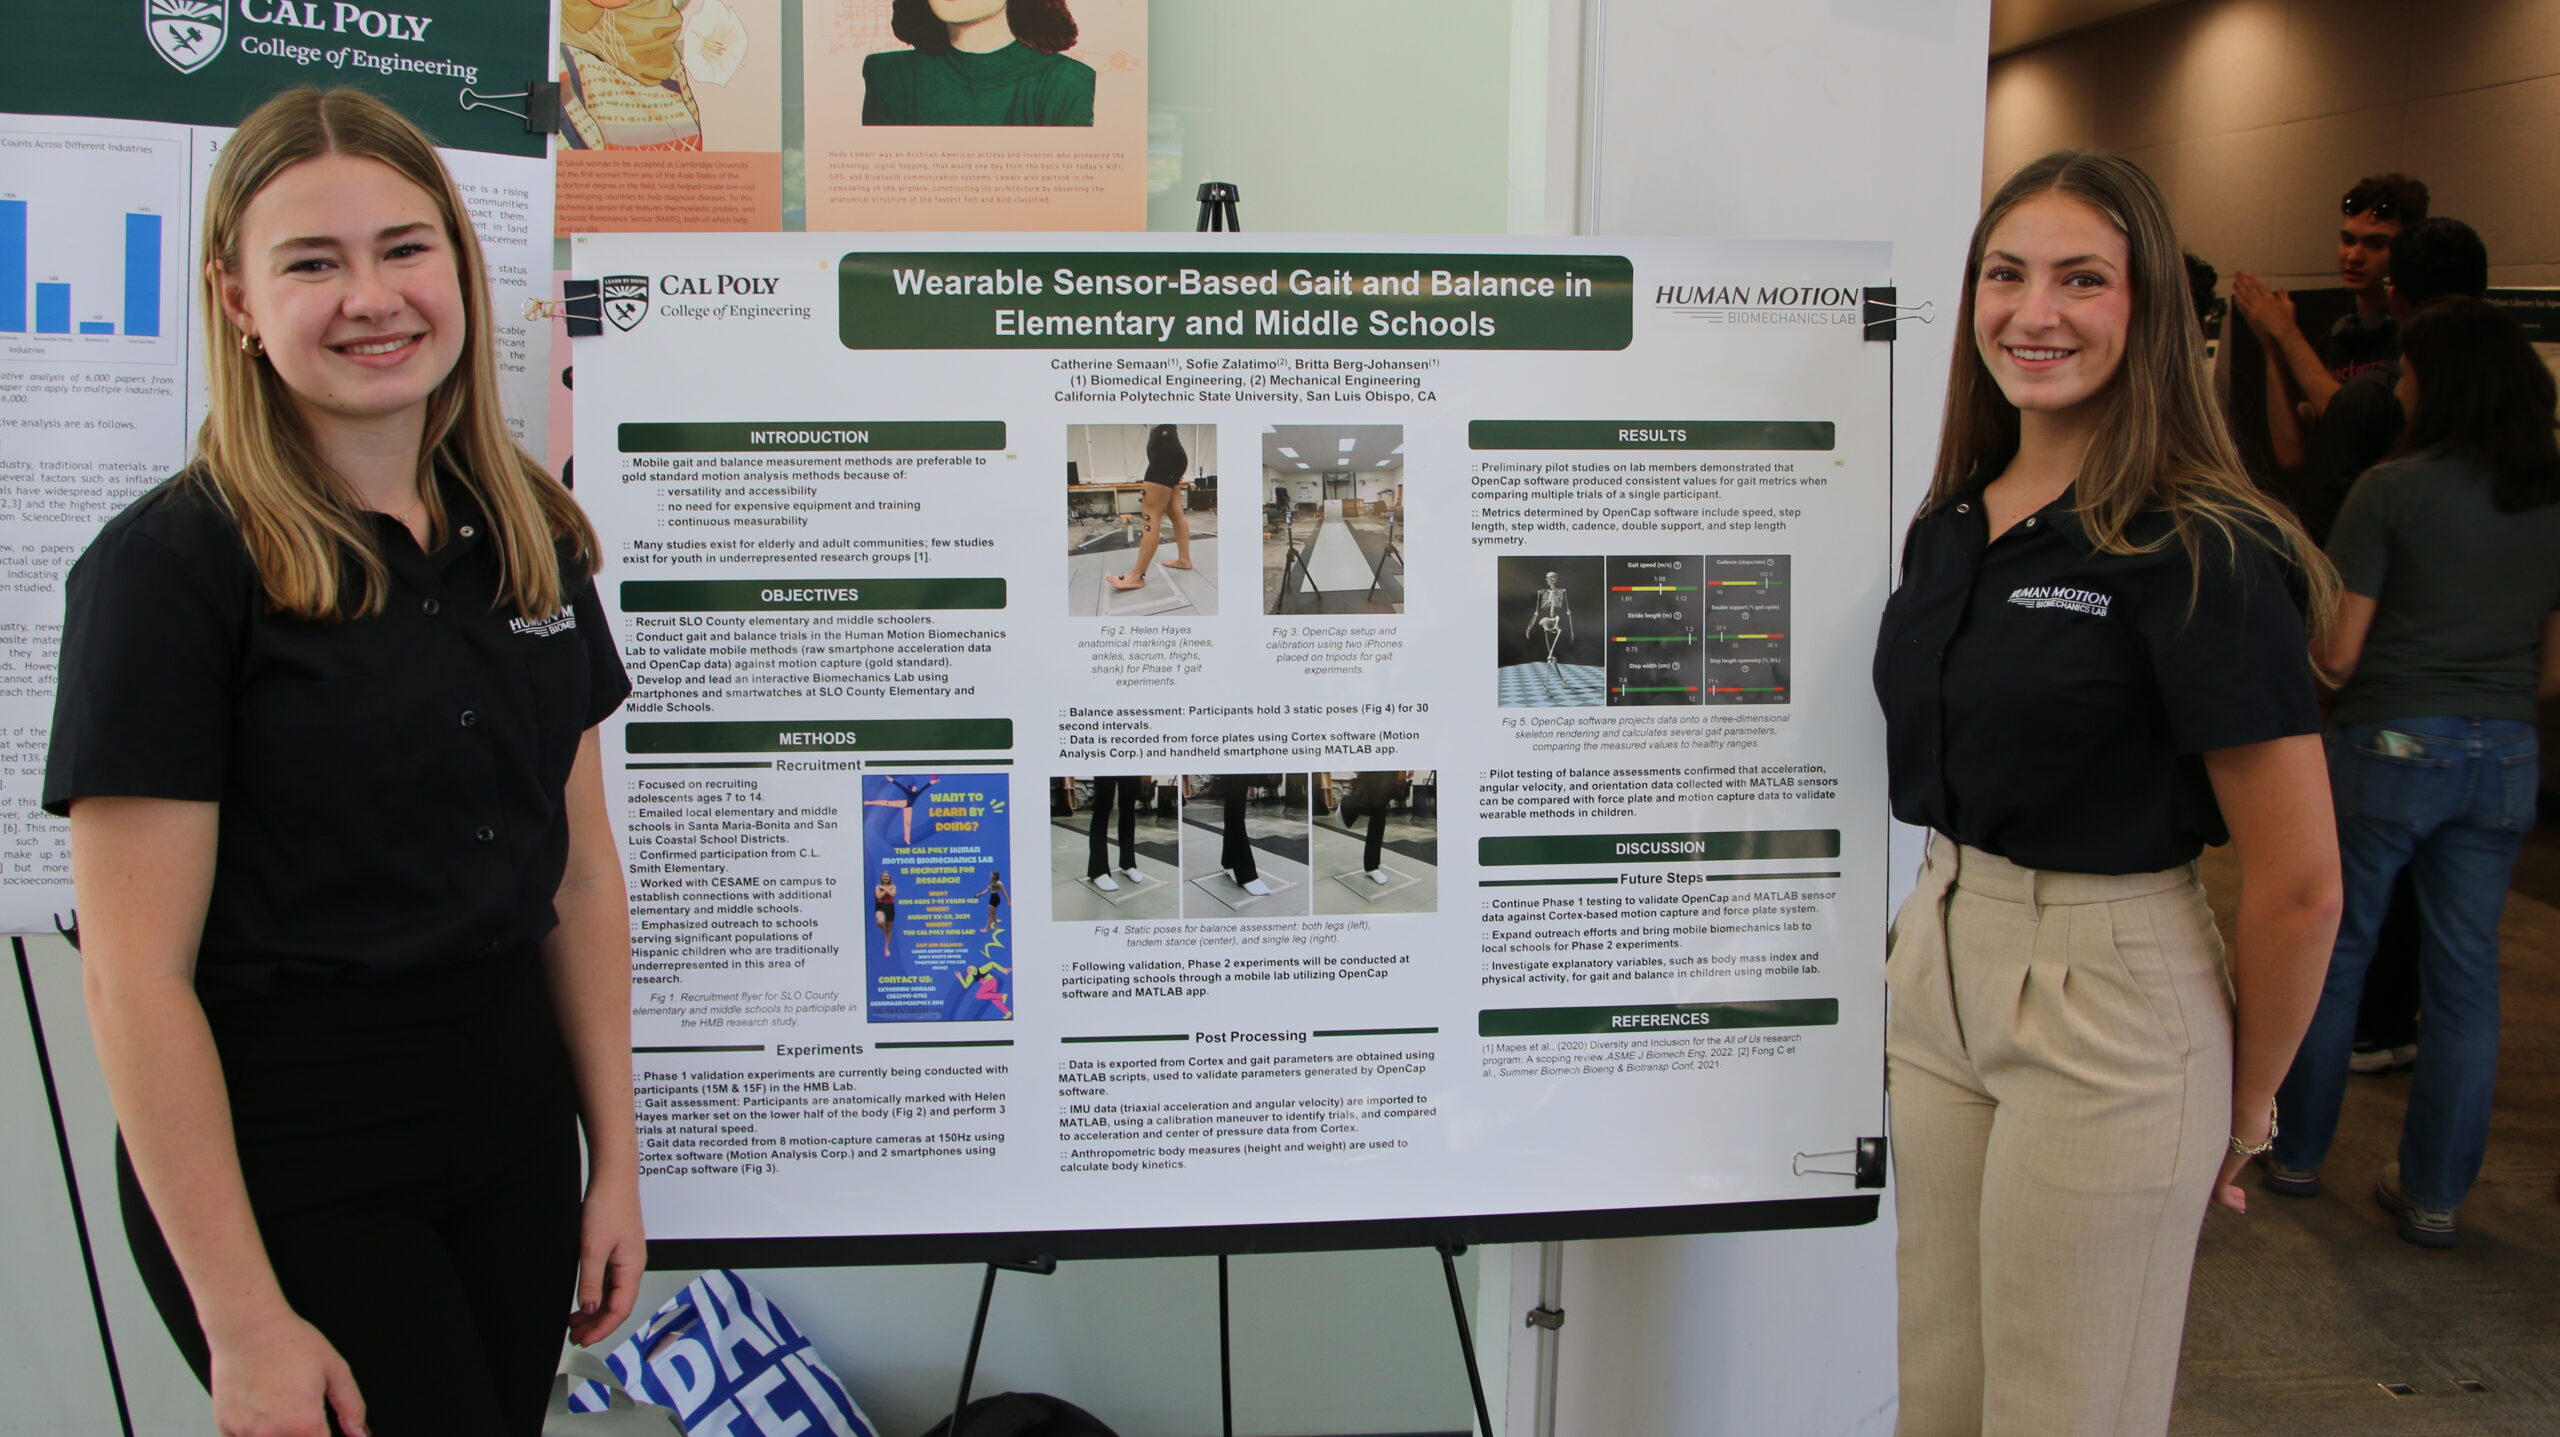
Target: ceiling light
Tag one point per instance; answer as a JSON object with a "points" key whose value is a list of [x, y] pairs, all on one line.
{"points": [[1285, 449], [1347, 443]]}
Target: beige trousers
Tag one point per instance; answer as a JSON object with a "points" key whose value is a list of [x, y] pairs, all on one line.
{"points": [[2058, 1053]]}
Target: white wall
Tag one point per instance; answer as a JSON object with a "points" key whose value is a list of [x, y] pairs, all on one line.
{"points": [[1846, 119]]}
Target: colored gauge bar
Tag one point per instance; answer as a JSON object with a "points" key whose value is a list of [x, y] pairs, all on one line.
{"points": [[1653, 588]]}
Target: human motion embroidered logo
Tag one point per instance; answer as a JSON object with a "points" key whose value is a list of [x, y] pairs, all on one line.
{"points": [[187, 33], [626, 299], [2078, 601]]}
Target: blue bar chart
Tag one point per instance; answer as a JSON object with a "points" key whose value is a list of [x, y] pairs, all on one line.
{"points": [[86, 265]]}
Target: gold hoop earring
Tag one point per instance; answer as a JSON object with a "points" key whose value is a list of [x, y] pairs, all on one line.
{"points": [[252, 346]]}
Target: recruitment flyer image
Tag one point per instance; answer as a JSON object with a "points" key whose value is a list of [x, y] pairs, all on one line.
{"points": [[1436, 669]]}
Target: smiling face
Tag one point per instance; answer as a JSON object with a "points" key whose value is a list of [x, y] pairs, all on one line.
{"points": [[348, 278], [2052, 303], [2364, 251]]}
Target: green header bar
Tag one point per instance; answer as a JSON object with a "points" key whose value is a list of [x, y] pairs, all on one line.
{"points": [[1729, 847], [1658, 1018], [818, 736], [736, 596], [1746, 434], [812, 436], [1213, 299]]}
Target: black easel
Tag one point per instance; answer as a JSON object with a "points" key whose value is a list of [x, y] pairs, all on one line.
{"points": [[1218, 208], [1045, 1266]]}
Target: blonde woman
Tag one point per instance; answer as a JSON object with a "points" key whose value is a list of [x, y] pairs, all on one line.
{"points": [[2096, 664], [353, 928]]}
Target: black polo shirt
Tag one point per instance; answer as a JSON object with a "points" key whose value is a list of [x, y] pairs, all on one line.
{"points": [[391, 787], [2051, 703]]}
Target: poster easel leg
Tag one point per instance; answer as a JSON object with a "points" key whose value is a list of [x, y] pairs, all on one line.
{"points": [[1466, 1339], [1042, 1266], [1226, 1363]]}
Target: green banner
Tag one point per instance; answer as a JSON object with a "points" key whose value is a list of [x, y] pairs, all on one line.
{"points": [[1650, 434], [810, 436], [1728, 847], [736, 596], [1658, 1018], [1215, 300], [210, 62], [819, 736]]}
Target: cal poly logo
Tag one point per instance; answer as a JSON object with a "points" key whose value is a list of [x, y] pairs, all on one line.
{"points": [[626, 299], [187, 33]]}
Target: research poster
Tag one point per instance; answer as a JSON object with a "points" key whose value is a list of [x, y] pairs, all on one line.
{"points": [[1130, 734], [99, 335], [918, 123]]}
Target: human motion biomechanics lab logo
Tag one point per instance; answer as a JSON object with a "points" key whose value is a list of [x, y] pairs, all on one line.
{"points": [[186, 33]]}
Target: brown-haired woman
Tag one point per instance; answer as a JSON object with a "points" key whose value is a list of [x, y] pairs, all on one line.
{"points": [[978, 62], [2094, 666], [353, 928]]}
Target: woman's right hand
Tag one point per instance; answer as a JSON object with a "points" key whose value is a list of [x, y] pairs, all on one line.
{"points": [[281, 1378]]}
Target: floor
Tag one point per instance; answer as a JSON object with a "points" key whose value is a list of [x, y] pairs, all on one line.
{"points": [[1282, 586], [1169, 593], [2304, 1308], [1277, 829], [1159, 853], [1410, 857]]}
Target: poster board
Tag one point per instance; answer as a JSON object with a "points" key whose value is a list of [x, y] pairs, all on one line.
{"points": [[100, 338], [1576, 622]]}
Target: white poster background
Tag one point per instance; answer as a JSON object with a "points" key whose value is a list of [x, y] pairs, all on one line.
{"points": [[1600, 1127], [88, 422]]}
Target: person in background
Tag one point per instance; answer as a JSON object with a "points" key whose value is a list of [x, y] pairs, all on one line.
{"points": [[2431, 258], [2094, 666], [2447, 639], [352, 927], [2201, 278], [2301, 377]]}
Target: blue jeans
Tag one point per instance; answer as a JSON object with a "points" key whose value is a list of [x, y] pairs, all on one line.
{"points": [[2450, 800]]}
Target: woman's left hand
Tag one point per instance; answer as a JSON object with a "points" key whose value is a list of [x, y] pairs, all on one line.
{"points": [[2227, 1191], [612, 1253]]}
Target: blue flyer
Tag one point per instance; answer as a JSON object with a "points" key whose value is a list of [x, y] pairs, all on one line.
{"points": [[940, 945]]}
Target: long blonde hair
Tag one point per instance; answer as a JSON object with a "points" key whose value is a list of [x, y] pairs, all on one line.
{"points": [[302, 524], [2163, 445]]}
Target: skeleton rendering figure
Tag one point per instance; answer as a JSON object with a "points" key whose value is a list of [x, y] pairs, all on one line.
{"points": [[1553, 616]]}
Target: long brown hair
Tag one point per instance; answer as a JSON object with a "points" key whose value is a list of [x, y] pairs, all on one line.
{"points": [[304, 528], [2162, 446]]}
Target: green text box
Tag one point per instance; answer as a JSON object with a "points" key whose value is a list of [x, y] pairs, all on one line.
{"points": [[1658, 1018], [735, 596], [1241, 300], [1727, 847], [819, 736], [812, 436], [1651, 434]]}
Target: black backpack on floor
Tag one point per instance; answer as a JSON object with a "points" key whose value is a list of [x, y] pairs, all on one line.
{"points": [[1023, 1414]]}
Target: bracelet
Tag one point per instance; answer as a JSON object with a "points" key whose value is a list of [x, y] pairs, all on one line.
{"points": [[2241, 1149]]}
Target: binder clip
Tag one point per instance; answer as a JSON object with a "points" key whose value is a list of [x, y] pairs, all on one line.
{"points": [[1868, 1168], [1880, 312], [541, 112], [581, 304]]}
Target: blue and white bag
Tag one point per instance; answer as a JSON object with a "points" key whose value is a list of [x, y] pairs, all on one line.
{"points": [[731, 1365]]}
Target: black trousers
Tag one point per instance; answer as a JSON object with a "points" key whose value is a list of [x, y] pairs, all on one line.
{"points": [[1235, 852], [411, 1153], [1108, 790]]}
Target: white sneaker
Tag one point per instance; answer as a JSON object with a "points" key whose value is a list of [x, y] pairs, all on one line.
{"points": [[1105, 884], [1378, 876], [1257, 887], [1134, 875]]}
